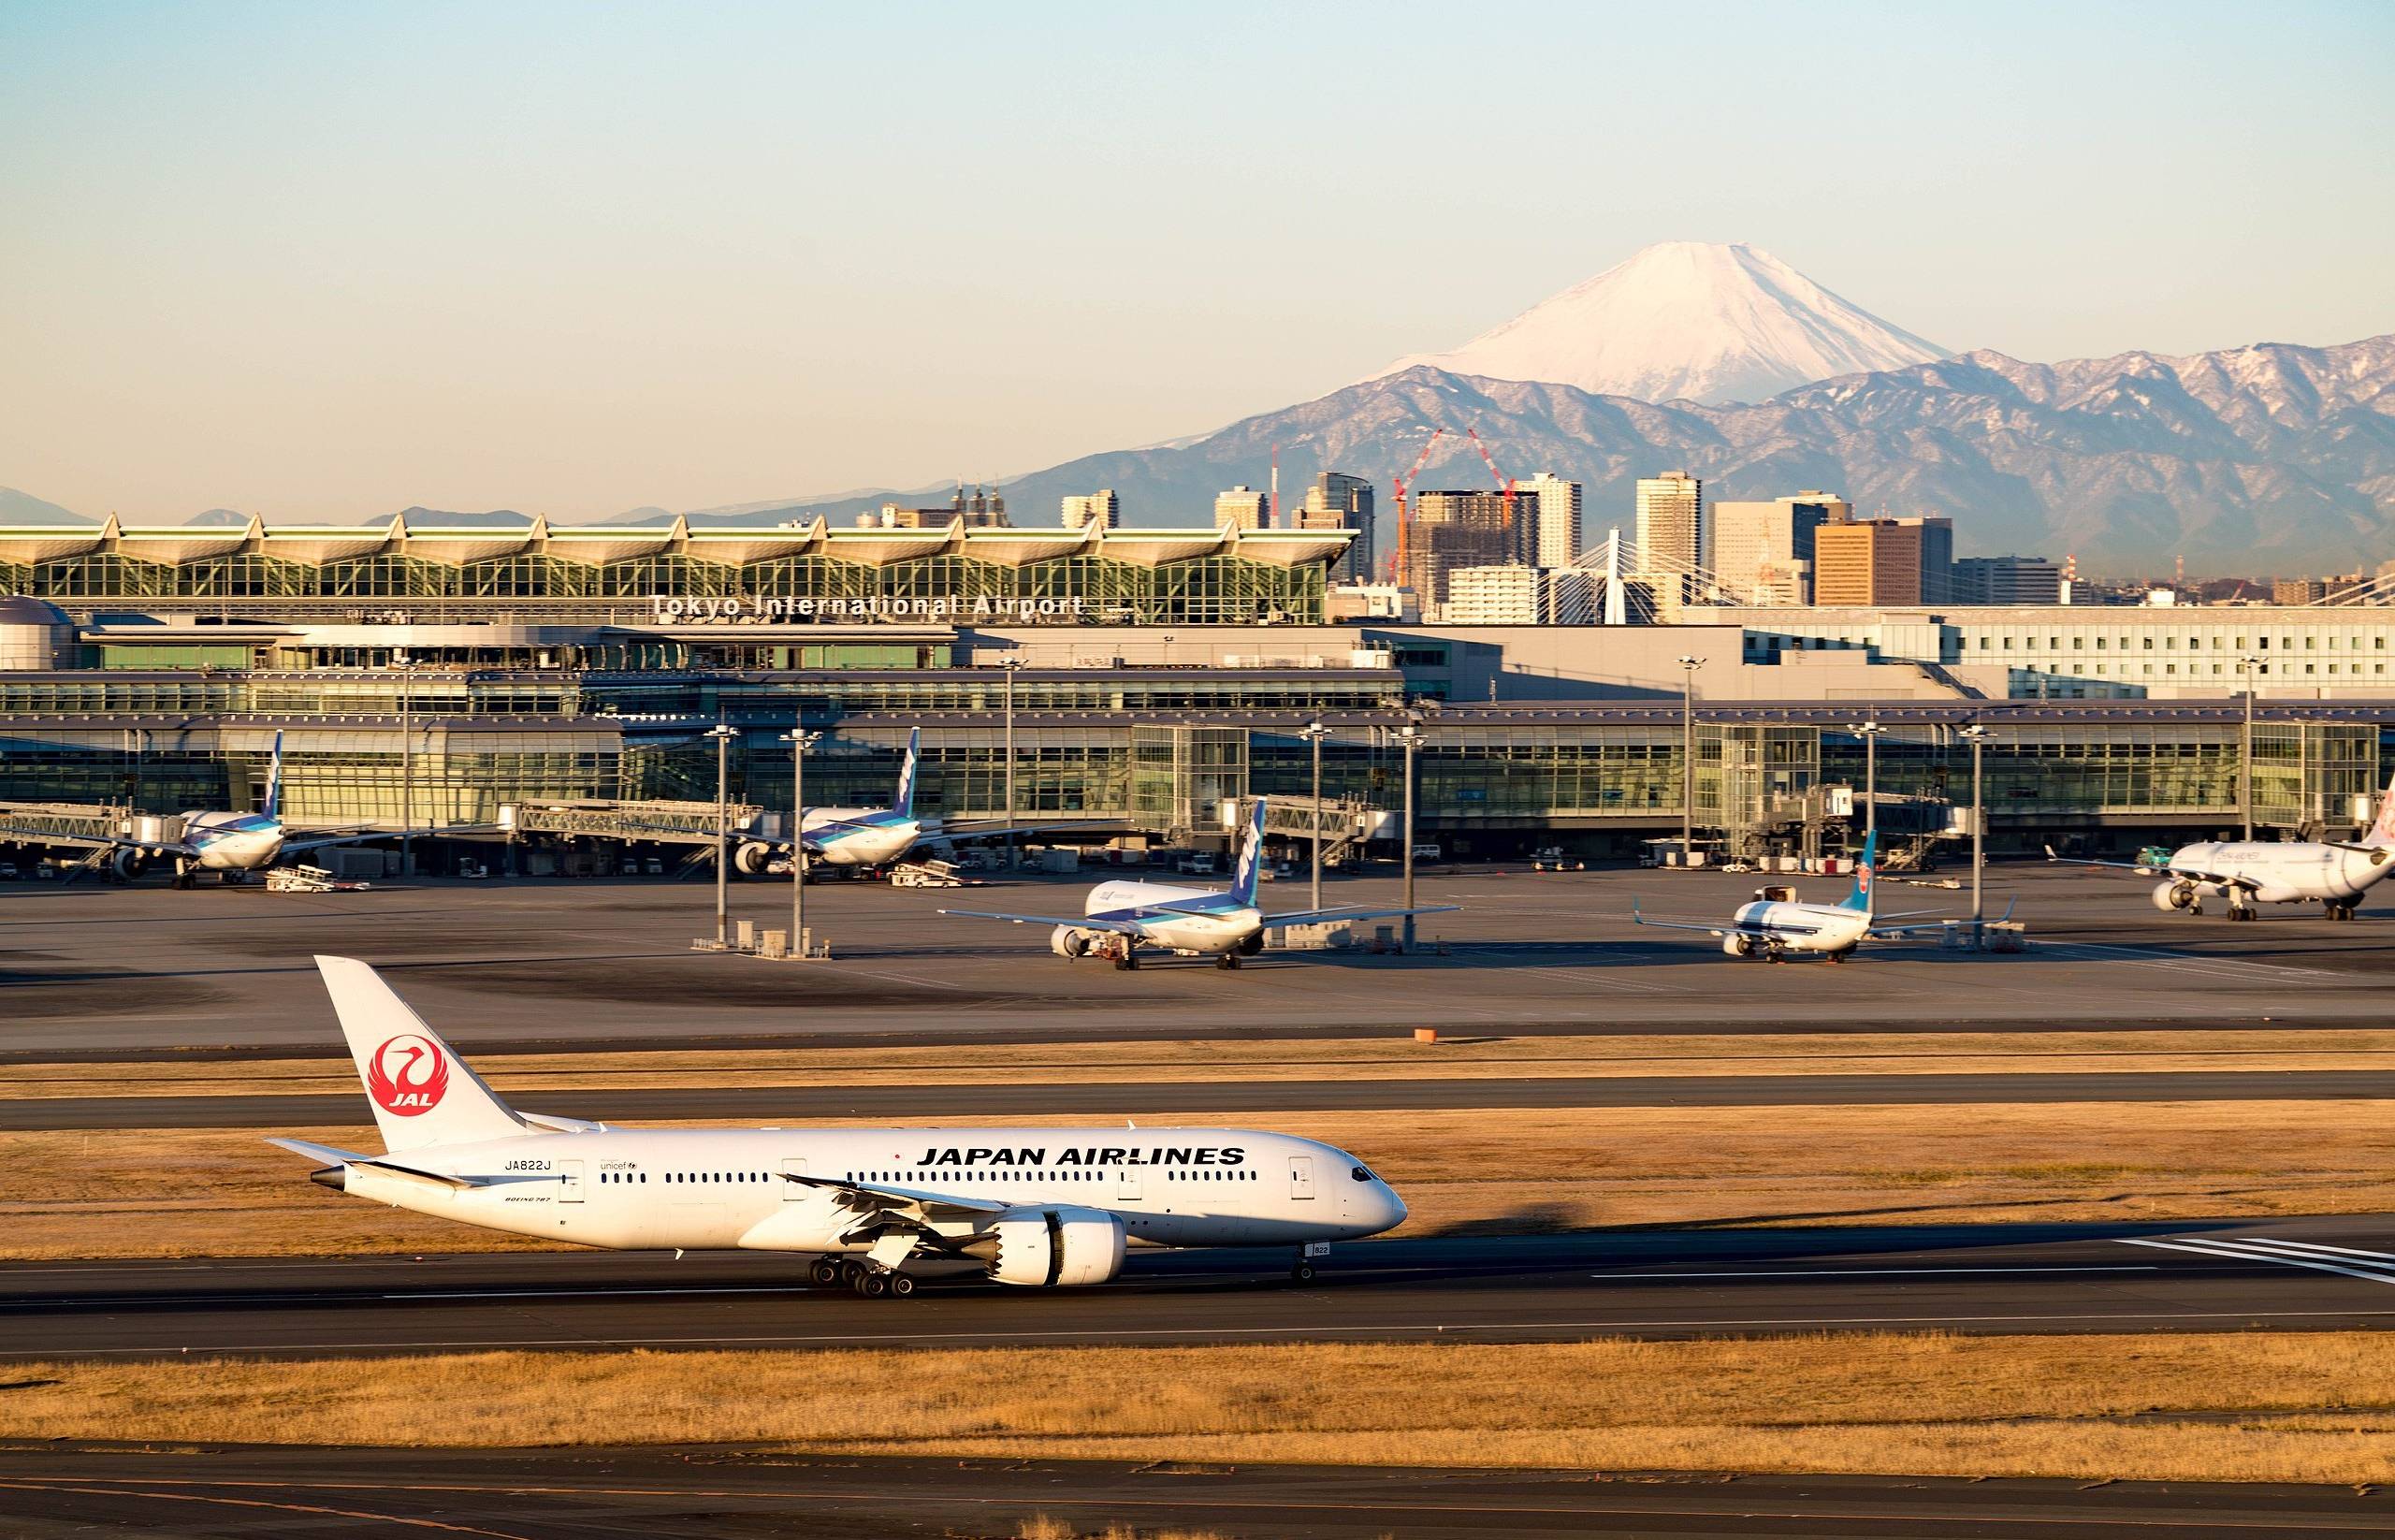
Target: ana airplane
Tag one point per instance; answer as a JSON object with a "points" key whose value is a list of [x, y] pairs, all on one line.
{"points": [[2333, 874], [1777, 922], [231, 844], [1036, 1207], [876, 836], [1119, 918]]}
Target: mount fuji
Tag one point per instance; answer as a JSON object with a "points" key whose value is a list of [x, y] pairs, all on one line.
{"points": [[1687, 321]]}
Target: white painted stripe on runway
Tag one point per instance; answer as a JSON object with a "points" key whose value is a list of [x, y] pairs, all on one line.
{"points": [[2309, 1245], [2213, 1248], [1228, 1334], [1868, 1273]]}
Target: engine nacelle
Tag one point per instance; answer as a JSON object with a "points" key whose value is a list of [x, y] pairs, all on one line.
{"points": [[2175, 896], [128, 862], [751, 858], [1065, 941], [1739, 946], [1055, 1248], [1253, 946]]}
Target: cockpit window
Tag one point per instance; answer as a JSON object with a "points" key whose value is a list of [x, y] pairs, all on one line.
{"points": [[1360, 1174]]}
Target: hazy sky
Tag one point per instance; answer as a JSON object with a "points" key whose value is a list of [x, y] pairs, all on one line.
{"points": [[322, 261]]}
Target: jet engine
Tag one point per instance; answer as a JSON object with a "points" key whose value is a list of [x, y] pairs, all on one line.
{"points": [[1739, 946], [751, 859], [2174, 897], [1253, 946], [1065, 941], [1054, 1248], [128, 862]]}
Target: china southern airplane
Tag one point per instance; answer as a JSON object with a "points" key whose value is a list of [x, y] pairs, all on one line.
{"points": [[1119, 918], [2333, 874], [1777, 922], [1038, 1207], [876, 836], [232, 844]]}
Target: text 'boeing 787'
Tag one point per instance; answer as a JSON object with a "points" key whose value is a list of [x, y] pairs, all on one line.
{"points": [[1119, 918], [1038, 1207]]}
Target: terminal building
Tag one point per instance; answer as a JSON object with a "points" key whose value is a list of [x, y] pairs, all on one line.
{"points": [[429, 679]]}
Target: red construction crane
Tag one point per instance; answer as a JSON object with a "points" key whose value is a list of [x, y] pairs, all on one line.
{"points": [[1404, 517], [1504, 482]]}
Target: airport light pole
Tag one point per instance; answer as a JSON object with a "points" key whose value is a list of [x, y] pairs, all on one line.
{"points": [[1688, 759], [1978, 734], [722, 734], [1870, 733], [407, 771], [1411, 736], [800, 740], [1011, 665], [1314, 733], [2246, 759]]}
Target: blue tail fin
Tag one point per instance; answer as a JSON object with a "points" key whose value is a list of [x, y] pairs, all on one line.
{"points": [[275, 779], [1251, 855], [1866, 868], [904, 805]]}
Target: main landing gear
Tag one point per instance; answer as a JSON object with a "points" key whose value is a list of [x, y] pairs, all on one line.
{"points": [[2341, 912], [1228, 959], [863, 1278], [2242, 911]]}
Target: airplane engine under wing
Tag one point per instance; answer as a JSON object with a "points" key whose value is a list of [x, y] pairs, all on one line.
{"points": [[2174, 895], [1056, 1248], [128, 862], [751, 858], [1065, 941], [1739, 946]]}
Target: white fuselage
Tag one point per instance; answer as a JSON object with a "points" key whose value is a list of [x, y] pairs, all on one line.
{"points": [[653, 1189], [859, 836], [232, 842], [1225, 925], [1791, 926], [2292, 872]]}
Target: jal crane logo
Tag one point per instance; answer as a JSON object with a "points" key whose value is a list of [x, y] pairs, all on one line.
{"points": [[407, 1075]]}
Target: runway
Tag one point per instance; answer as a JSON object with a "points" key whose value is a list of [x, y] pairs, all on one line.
{"points": [[2303, 1274], [712, 1494], [1114, 1099]]}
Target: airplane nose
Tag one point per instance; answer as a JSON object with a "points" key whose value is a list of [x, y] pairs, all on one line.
{"points": [[1391, 1206]]}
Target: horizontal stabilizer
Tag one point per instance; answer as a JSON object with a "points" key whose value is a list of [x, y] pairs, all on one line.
{"points": [[322, 1154], [562, 1125]]}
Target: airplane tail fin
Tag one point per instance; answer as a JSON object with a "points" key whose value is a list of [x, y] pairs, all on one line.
{"points": [[422, 1093], [2382, 832], [1251, 856], [274, 778], [1866, 868], [904, 804]]}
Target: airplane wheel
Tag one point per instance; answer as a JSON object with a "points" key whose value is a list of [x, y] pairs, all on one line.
{"points": [[1301, 1273], [901, 1286], [1228, 959], [851, 1270], [873, 1286], [824, 1272]]}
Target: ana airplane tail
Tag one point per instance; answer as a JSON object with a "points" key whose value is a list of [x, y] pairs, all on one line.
{"points": [[1251, 856], [904, 804], [2382, 832], [275, 779], [1866, 868], [422, 1092]]}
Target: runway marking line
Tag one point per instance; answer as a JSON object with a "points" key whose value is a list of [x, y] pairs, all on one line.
{"points": [[1196, 1334], [1869, 1272], [127, 1486], [2258, 1253]]}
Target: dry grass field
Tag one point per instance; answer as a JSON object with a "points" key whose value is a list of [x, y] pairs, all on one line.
{"points": [[2227, 1406], [1394, 1058], [223, 1193]]}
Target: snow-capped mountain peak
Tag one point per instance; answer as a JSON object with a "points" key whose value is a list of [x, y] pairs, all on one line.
{"points": [[1688, 319]]}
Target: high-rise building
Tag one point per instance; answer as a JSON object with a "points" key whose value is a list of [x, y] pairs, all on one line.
{"points": [[1937, 557], [1516, 595], [1452, 529], [1671, 522], [1240, 508], [1553, 506], [1867, 561], [2007, 580], [1762, 552], [1337, 501], [1101, 509], [2297, 591]]}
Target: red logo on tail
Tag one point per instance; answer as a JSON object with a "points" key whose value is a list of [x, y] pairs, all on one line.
{"points": [[407, 1075]]}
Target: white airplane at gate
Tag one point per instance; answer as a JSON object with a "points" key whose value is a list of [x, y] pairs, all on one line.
{"points": [[1038, 1207], [2333, 874], [1119, 918], [1777, 922]]}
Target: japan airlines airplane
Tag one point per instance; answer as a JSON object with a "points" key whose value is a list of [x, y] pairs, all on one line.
{"points": [[876, 836], [233, 843], [1119, 918], [2330, 872], [1777, 922], [1036, 1207]]}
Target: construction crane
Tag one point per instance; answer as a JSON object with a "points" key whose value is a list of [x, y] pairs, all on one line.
{"points": [[1405, 515], [1504, 482]]}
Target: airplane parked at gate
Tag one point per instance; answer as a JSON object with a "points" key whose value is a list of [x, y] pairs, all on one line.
{"points": [[1036, 1206], [1777, 922], [876, 836], [2334, 874], [1119, 918], [232, 844]]}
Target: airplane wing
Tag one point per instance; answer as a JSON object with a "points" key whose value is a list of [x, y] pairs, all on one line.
{"points": [[1333, 916], [1078, 922], [1886, 932], [900, 1202], [1715, 927], [94, 842], [318, 842], [2189, 874], [942, 833]]}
